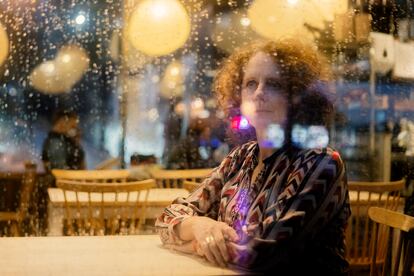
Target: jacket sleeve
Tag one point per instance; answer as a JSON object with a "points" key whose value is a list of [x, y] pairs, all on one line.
{"points": [[204, 201]]}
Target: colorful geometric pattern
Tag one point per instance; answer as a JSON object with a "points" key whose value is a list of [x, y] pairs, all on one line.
{"points": [[299, 199]]}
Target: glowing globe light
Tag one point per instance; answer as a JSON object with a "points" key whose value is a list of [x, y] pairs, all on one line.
{"points": [[158, 27], [46, 78], [72, 62], [4, 45], [48, 68], [66, 58], [276, 19], [292, 2], [62, 73]]}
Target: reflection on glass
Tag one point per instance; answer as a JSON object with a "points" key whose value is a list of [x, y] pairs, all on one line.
{"points": [[308, 137], [239, 123], [275, 136]]}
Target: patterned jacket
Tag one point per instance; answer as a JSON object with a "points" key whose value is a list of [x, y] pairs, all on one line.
{"points": [[291, 219]]}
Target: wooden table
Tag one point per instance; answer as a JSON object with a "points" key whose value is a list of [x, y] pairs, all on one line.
{"points": [[98, 255], [158, 199]]}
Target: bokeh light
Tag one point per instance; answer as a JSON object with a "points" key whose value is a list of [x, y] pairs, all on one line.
{"points": [[276, 19], [80, 19], [173, 81], [62, 73], [158, 27], [232, 30], [4, 45]]}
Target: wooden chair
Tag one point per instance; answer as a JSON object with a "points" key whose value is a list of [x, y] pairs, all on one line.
{"points": [[97, 208], [404, 224], [190, 185], [364, 195], [26, 181], [101, 176], [175, 178]]}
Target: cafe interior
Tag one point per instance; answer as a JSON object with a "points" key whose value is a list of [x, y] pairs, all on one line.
{"points": [[108, 114]]}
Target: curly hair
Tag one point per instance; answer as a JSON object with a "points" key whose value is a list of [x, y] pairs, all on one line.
{"points": [[304, 72]]}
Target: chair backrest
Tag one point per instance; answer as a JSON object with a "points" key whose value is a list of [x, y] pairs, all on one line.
{"points": [[175, 178], [190, 185], [384, 219], [22, 185], [364, 195], [26, 190], [10, 185], [102, 176], [97, 208]]}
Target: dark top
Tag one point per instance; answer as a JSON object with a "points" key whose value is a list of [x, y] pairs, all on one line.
{"points": [[62, 152]]}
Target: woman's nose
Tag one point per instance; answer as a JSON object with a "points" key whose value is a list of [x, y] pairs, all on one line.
{"points": [[259, 94]]}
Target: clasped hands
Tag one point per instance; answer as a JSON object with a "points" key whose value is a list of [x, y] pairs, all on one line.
{"points": [[209, 238]]}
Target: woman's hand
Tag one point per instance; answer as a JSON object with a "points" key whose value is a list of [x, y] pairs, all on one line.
{"points": [[209, 238]]}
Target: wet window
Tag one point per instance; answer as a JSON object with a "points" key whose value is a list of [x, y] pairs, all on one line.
{"points": [[84, 84]]}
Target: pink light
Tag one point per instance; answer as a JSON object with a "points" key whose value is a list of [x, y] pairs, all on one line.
{"points": [[239, 122]]}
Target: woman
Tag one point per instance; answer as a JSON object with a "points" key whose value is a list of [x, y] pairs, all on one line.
{"points": [[272, 204]]}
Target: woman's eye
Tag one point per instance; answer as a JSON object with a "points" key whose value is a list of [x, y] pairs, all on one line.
{"points": [[274, 84], [251, 84]]}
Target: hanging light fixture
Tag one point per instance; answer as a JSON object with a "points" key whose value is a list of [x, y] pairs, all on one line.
{"points": [[62, 73], [276, 19], [158, 27], [4, 45]]}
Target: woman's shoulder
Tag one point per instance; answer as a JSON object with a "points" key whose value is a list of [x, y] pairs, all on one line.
{"points": [[327, 153], [244, 149]]}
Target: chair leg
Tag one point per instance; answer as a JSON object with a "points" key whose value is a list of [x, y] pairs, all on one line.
{"points": [[14, 229], [408, 255]]}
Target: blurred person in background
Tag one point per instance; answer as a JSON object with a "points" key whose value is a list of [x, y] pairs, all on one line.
{"points": [[196, 150], [141, 166], [62, 148]]}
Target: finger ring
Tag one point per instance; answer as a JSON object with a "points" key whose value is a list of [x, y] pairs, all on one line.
{"points": [[209, 239]]}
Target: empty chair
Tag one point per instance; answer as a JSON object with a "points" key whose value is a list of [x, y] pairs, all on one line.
{"points": [[364, 195], [96, 208], [102, 176], [27, 182], [386, 221], [175, 178]]}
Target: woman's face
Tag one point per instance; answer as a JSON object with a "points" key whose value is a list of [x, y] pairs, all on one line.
{"points": [[264, 101]]}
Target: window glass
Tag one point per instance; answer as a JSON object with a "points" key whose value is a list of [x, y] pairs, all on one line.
{"points": [[137, 77]]}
